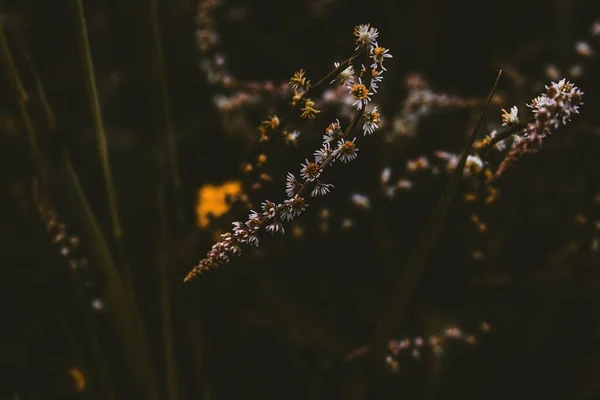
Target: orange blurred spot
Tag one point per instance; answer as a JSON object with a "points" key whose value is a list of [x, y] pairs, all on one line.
{"points": [[78, 378], [212, 201]]}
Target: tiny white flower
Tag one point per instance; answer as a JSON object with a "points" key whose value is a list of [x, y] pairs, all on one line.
{"points": [[252, 240], [291, 138], [361, 94], [310, 171], [404, 184], [450, 158], [510, 118], [360, 200], [473, 165], [321, 189], [291, 185], [269, 208], [371, 121], [323, 153], [333, 132], [365, 36], [346, 150], [292, 208], [275, 227], [385, 175], [378, 54], [344, 77]]}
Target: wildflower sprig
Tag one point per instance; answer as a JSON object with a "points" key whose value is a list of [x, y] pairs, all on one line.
{"points": [[336, 145], [274, 126], [551, 110]]}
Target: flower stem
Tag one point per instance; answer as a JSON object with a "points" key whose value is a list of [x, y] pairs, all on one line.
{"points": [[88, 68]]}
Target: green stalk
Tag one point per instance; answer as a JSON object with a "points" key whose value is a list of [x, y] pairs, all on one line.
{"points": [[22, 99], [411, 275], [40, 91], [168, 167], [121, 306], [88, 68], [167, 323], [171, 140]]}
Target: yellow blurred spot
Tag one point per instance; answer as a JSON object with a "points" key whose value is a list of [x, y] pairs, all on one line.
{"points": [[247, 168], [265, 177], [212, 201], [470, 197], [78, 378], [297, 231]]}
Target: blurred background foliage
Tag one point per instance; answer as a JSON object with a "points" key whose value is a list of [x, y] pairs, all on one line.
{"points": [[89, 314]]}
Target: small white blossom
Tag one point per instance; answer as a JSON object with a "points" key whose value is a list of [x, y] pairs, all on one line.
{"points": [[360, 200], [378, 54], [404, 184], [321, 189], [371, 121], [310, 171], [291, 138], [291, 185], [333, 132], [275, 227], [361, 94], [254, 221], [344, 77], [292, 208], [510, 118], [501, 145], [252, 240], [385, 175], [365, 36], [417, 164], [450, 158], [346, 150], [97, 304], [269, 208], [376, 78], [324, 153], [287, 213], [473, 165], [584, 49]]}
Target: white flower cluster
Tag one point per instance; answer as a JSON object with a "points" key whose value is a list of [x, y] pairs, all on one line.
{"points": [[270, 219], [551, 110], [336, 146], [363, 86], [557, 105], [436, 343]]}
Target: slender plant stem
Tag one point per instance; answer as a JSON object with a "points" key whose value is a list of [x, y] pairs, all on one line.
{"points": [[40, 90], [121, 305], [41, 194], [412, 273], [41, 201], [168, 166], [171, 139], [168, 351], [411, 276], [88, 68], [22, 100]]}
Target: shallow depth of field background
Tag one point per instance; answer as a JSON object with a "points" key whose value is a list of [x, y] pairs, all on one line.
{"points": [[281, 321]]}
